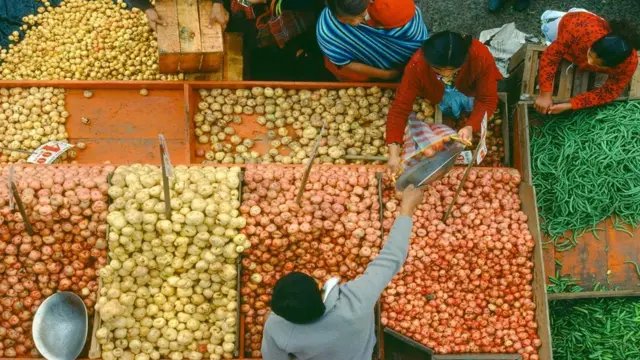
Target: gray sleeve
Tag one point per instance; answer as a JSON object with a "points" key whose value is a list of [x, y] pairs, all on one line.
{"points": [[366, 289], [269, 349]]}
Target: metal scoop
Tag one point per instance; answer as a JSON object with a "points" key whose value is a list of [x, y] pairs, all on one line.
{"points": [[430, 169], [60, 326]]}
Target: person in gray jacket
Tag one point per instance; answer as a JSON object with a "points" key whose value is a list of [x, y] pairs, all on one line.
{"points": [[302, 325]]}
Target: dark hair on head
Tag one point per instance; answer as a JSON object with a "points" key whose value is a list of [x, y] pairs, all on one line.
{"points": [[446, 49], [347, 7], [615, 47], [297, 298]]}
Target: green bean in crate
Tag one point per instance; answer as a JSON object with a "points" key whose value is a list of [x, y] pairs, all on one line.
{"points": [[586, 167], [601, 328]]}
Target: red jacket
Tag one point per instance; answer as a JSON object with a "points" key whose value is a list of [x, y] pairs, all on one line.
{"points": [[478, 77], [577, 32]]}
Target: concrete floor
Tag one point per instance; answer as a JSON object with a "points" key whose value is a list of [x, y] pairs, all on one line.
{"points": [[471, 16]]}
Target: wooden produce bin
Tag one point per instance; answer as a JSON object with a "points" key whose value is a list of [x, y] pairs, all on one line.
{"points": [[186, 43], [249, 127], [529, 207], [592, 258], [123, 125], [569, 81]]}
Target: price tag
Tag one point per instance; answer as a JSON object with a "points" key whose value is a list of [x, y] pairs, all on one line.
{"points": [[464, 158], [165, 156], [49, 152], [482, 145]]}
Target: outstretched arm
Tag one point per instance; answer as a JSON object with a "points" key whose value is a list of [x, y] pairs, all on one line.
{"points": [[366, 289]]}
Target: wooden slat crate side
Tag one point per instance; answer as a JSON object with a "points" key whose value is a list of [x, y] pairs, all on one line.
{"points": [[168, 39], [189, 26], [211, 37], [593, 295], [530, 208], [521, 147], [506, 136], [634, 86], [234, 57]]}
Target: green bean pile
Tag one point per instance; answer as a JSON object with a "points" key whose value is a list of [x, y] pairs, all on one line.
{"points": [[604, 328], [586, 167]]}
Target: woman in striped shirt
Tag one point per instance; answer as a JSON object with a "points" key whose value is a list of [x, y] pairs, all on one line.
{"points": [[366, 40]]}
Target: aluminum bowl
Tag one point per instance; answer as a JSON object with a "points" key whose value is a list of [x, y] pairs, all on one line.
{"points": [[431, 169], [60, 326]]}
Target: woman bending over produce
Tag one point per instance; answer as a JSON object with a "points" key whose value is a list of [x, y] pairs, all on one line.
{"points": [[454, 71], [339, 325], [364, 40], [592, 44]]}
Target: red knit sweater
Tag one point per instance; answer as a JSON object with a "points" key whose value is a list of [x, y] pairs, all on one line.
{"points": [[478, 77], [577, 32]]}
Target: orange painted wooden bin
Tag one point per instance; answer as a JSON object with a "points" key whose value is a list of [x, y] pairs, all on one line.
{"points": [[592, 260], [124, 129]]}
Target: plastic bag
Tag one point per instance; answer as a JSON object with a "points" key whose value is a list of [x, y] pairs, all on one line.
{"points": [[423, 140]]}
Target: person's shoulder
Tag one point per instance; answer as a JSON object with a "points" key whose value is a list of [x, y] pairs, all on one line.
{"points": [[479, 50]]}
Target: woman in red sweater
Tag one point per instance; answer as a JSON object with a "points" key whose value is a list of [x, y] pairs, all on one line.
{"points": [[592, 44], [452, 70]]}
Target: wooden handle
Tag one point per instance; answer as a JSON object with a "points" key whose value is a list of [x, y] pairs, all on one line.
{"points": [[464, 178], [165, 185], [25, 218], [366, 157], [305, 176]]}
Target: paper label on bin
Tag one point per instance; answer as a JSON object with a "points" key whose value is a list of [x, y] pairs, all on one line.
{"points": [[47, 153], [464, 158], [482, 145]]}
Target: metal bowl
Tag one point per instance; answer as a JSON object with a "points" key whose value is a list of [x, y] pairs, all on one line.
{"points": [[60, 326], [431, 169]]}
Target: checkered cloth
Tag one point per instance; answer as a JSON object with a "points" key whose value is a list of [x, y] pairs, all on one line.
{"points": [[419, 137], [277, 27]]}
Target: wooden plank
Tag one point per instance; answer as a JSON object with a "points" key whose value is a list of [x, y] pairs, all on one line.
{"points": [[533, 75], [623, 247], [478, 357], [530, 208], [168, 39], [594, 295], [634, 86], [211, 36], [528, 83], [599, 79], [234, 57], [523, 138], [189, 33], [565, 84], [580, 82], [506, 137], [520, 55]]}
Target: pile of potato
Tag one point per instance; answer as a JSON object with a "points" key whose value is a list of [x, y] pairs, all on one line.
{"points": [[30, 118], [355, 123], [83, 40], [169, 289]]}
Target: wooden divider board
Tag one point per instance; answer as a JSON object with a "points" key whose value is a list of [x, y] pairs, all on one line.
{"points": [[592, 258], [187, 43]]}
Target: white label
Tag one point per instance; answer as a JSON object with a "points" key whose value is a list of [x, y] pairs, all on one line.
{"points": [[482, 145], [49, 152], [464, 158], [165, 156]]}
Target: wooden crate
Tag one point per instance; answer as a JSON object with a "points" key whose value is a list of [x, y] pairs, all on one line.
{"points": [[187, 43], [592, 258], [232, 68], [569, 81]]}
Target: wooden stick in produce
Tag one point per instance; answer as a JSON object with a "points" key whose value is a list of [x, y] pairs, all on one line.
{"points": [[366, 157], [305, 176], [165, 185], [16, 150], [25, 218], [464, 178]]}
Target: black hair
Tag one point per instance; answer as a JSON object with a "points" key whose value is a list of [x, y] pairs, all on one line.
{"points": [[446, 49], [615, 47], [297, 298], [347, 7]]}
